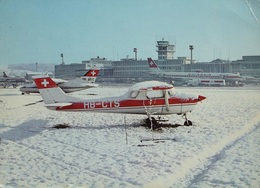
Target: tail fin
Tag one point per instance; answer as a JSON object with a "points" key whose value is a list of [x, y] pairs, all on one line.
{"points": [[91, 75], [51, 93], [154, 69], [152, 64], [5, 76]]}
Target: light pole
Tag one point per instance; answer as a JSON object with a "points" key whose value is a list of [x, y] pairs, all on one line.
{"points": [[62, 62], [191, 48], [135, 51]]}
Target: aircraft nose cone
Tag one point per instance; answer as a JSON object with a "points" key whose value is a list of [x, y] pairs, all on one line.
{"points": [[201, 98]]}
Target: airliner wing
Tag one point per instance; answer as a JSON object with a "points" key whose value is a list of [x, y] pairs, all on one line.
{"points": [[89, 85], [59, 81]]}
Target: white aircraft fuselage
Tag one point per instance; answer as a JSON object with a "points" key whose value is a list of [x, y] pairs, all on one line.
{"points": [[155, 70], [151, 97]]}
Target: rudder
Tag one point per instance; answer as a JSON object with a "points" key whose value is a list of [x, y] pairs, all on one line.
{"points": [[49, 90]]}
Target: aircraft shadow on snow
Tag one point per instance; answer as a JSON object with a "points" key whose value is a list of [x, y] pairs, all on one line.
{"points": [[24, 130], [101, 127]]}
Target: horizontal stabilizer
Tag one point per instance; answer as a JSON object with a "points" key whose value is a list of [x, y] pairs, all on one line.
{"points": [[58, 104]]}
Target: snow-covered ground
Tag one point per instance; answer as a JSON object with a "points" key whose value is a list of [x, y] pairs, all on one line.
{"points": [[222, 149]]}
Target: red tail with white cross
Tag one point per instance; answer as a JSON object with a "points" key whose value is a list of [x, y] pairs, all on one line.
{"points": [[92, 73], [44, 83], [50, 91]]}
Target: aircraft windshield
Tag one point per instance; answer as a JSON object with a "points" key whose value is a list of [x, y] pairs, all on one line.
{"points": [[172, 92]]}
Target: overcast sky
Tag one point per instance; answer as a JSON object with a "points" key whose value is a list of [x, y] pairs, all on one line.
{"points": [[40, 30]]}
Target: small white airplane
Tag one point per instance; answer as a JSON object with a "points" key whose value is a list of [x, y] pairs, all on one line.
{"points": [[84, 82], [154, 69], [148, 98]]}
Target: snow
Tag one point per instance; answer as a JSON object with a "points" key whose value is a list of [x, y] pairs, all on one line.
{"points": [[222, 149]]}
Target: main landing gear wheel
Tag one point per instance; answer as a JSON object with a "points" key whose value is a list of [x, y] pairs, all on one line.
{"points": [[187, 122], [154, 122]]}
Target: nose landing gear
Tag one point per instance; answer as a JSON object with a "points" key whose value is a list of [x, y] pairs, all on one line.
{"points": [[187, 122]]}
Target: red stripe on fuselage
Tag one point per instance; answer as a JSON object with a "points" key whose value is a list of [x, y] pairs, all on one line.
{"points": [[129, 103]]}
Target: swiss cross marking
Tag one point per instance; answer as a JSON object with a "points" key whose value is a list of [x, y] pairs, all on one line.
{"points": [[45, 83], [93, 73]]}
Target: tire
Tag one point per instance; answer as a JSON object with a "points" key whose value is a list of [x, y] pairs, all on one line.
{"points": [[187, 123], [154, 122], [148, 123]]}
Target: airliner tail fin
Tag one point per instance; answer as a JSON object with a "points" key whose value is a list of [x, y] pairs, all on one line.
{"points": [[154, 69], [91, 75]]}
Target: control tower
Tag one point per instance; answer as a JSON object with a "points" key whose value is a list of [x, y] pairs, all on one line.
{"points": [[165, 50]]}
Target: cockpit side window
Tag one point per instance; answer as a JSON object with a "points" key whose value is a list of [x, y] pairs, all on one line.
{"points": [[154, 94], [134, 94]]}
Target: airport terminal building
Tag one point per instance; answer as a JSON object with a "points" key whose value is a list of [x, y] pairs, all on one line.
{"points": [[132, 68]]}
